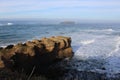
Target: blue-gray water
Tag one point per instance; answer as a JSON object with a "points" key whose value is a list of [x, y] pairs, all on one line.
{"points": [[97, 45]]}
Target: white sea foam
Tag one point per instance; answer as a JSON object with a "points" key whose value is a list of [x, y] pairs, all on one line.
{"points": [[98, 53], [3, 46], [113, 59], [100, 30], [4, 24], [9, 23], [109, 30], [117, 47], [86, 42]]}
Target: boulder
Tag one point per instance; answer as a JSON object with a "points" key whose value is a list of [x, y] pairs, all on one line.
{"points": [[39, 53]]}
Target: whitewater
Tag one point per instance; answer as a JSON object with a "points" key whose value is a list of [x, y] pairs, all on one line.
{"points": [[97, 53], [96, 46]]}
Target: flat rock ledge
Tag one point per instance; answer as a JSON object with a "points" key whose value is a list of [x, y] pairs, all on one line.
{"points": [[36, 53]]}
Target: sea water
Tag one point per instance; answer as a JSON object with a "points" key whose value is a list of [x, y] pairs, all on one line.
{"points": [[96, 46]]}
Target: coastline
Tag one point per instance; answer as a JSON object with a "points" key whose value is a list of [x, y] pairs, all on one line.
{"points": [[90, 44], [47, 70]]}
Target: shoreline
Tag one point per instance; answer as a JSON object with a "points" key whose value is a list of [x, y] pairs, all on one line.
{"points": [[67, 72]]}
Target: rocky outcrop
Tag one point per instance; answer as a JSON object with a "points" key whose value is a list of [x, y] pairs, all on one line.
{"points": [[68, 23], [38, 53]]}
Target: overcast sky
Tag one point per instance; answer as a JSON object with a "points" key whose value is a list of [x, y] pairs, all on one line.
{"points": [[61, 9]]}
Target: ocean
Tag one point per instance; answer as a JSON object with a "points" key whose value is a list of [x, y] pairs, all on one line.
{"points": [[96, 46]]}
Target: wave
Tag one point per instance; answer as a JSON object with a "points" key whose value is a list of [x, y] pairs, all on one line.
{"points": [[101, 55], [104, 30], [117, 47], [9, 23], [86, 42], [113, 59], [109, 30], [6, 24]]}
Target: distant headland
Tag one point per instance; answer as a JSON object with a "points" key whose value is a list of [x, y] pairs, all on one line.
{"points": [[67, 22]]}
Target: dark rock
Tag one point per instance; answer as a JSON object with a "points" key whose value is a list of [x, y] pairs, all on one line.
{"points": [[9, 47], [1, 48]]}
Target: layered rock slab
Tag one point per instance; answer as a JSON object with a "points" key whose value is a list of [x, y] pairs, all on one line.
{"points": [[39, 53]]}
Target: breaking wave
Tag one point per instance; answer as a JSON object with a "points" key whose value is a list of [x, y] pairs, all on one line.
{"points": [[113, 59], [9, 24], [100, 55], [103, 30], [86, 42], [6, 24], [117, 47], [109, 30]]}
